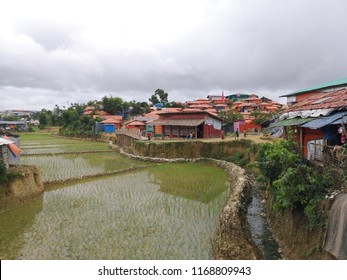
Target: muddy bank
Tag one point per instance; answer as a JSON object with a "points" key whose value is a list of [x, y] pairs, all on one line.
{"points": [[296, 241], [26, 184], [50, 184], [234, 241], [183, 149]]}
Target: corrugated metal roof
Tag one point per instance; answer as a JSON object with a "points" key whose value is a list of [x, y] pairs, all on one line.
{"points": [[178, 122], [12, 122], [320, 122], [289, 122], [334, 83], [324, 100], [340, 121]]}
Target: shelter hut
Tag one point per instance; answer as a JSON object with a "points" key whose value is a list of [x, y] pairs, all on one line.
{"points": [[319, 125], [110, 125], [135, 125], [188, 122]]}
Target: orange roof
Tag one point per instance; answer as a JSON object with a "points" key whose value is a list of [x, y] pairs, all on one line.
{"points": [[109, 121], [252, 99], [101, 113], [265, 104], [135, 123], [213, 111], [200, 106], [114, 117], [155, 112], [220, 101]]}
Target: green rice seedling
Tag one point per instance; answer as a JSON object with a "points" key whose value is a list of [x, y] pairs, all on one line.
{"points": [[193, 181], [120, 217], [62, 167]]}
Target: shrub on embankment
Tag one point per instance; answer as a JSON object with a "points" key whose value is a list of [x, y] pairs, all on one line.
{"points": [[295, 192]]}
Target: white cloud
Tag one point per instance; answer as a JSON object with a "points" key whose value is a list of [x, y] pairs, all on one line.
{"points": [[81, 50]]}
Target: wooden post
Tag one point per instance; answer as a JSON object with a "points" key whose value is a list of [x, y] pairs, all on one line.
{"points": [[196, 132]]}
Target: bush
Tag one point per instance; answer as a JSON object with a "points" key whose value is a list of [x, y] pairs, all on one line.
{"points": [[292, 184], [5, 175], [239, 158], [273, 159]]}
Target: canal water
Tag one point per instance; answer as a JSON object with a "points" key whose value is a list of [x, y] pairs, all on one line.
{"points": [[260, 229], [128, 216]]}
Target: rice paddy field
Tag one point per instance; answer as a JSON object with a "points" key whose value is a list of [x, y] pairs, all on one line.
{"points": [[46, 144], [167, 211]]}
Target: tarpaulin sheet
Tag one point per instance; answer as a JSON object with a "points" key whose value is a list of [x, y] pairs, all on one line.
{"points": [[320, 122], [12, 147], [336, 234]]}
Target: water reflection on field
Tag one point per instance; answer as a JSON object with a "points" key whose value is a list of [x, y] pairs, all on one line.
{"points": [[61, 167], [120, 217]]}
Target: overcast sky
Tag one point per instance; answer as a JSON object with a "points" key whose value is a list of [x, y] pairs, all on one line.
{"points": [[64, 51]]}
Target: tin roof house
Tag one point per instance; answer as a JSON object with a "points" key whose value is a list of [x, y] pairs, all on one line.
{"points": [[300, 95], [318, 122]]}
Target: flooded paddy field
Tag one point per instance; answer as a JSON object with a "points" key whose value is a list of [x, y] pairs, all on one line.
{"points": [[167, 211], [74, 165], [44, 144]]}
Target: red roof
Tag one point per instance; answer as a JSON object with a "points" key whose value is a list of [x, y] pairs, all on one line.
{"points": [[109, 120], [189, 111], [324, 100], [114, 117], [135, 123]]}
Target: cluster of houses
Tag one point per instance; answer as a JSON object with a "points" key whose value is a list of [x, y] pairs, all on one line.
{"points": [[197, 119], [316, 116]]}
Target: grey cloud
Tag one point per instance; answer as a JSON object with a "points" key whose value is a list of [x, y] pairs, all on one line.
{"points": [[267, 47], [51, 35]]}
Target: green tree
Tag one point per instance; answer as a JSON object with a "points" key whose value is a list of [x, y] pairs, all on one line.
{"points": [[229, 116], [112, 105], [135, 108], [69, 116], [159, 96], [260, 116]]}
